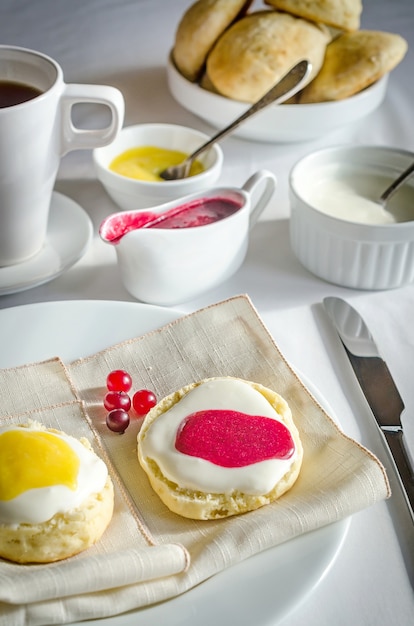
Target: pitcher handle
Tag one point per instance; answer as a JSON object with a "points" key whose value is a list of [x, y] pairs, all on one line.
{"points": [[250, 186]]}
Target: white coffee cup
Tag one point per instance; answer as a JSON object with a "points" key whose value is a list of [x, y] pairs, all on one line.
{"points": [[34, 135]]}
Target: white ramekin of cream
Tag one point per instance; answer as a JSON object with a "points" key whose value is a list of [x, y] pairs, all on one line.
{"points": [[338, 229]]}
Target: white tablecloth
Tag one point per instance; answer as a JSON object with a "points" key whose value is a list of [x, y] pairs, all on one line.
{"points": [[125, 43]]}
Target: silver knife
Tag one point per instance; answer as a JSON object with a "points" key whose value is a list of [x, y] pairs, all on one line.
{"points": [[377, 385]]}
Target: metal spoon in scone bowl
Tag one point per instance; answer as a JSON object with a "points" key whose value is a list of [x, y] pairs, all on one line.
{"points": [[290, 84]]}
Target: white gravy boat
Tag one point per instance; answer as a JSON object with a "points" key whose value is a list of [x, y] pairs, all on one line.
{"points": [[167, 264]]}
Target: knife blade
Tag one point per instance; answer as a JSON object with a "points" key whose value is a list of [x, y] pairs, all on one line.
{"points": [[377, 384]]}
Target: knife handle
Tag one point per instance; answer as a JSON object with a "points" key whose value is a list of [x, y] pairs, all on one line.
{"points": [[398, 450]]}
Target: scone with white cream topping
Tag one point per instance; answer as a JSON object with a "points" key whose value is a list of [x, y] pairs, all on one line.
{"points": [[220, 447]]}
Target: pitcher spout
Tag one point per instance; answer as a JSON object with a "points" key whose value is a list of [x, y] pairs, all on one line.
{"points": [[114, 227]]}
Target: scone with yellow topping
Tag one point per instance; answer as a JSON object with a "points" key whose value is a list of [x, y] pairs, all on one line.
{"points": [[220, 447], [56, 496]]}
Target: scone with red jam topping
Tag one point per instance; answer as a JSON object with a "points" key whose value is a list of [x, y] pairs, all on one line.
{"points": [[220, 447]]}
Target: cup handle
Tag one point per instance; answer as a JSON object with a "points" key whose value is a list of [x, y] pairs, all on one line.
{"points": [[250, 187], [74, 138]]}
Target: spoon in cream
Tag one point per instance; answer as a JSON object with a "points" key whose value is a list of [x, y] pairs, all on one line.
{"points": [[290, 84], [391, 189]]}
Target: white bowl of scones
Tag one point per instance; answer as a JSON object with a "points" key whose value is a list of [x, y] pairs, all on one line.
{"points": [[227, 54]]}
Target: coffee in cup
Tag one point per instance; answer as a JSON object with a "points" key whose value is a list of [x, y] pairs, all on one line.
{"points": [[36, 130], [12, 93]]}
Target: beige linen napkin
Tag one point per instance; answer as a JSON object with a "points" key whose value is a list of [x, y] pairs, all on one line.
{"points": [[148, 554]]}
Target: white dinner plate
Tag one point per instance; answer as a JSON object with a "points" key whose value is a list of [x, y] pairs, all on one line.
{"points": [[260, 591], [69, 234], [284, 123]]}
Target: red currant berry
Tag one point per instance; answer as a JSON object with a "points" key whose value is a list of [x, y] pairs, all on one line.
{"points": [[117, 400], [117, 421], [143, 400], [119, 380]]}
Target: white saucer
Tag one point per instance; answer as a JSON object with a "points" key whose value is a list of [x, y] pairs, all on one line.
{"points": [[68, 237]]}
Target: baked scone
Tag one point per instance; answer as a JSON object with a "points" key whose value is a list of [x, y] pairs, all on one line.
{"points": [[56, 496], [220, 447], [259, 49], [198, 30], [342, 14], [353, 61]]}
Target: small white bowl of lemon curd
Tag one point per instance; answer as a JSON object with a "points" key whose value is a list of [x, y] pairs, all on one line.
{"points": [[129, 167]]}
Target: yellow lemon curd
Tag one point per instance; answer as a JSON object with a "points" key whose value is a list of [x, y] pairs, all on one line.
{"points": [[147, 162], [33, 459]]}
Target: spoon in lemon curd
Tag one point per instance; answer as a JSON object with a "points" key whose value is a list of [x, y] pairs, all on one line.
{"points": [[147, 162]]}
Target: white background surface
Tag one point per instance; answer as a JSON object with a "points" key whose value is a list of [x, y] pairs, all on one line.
{"points": [[125, 43]]}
